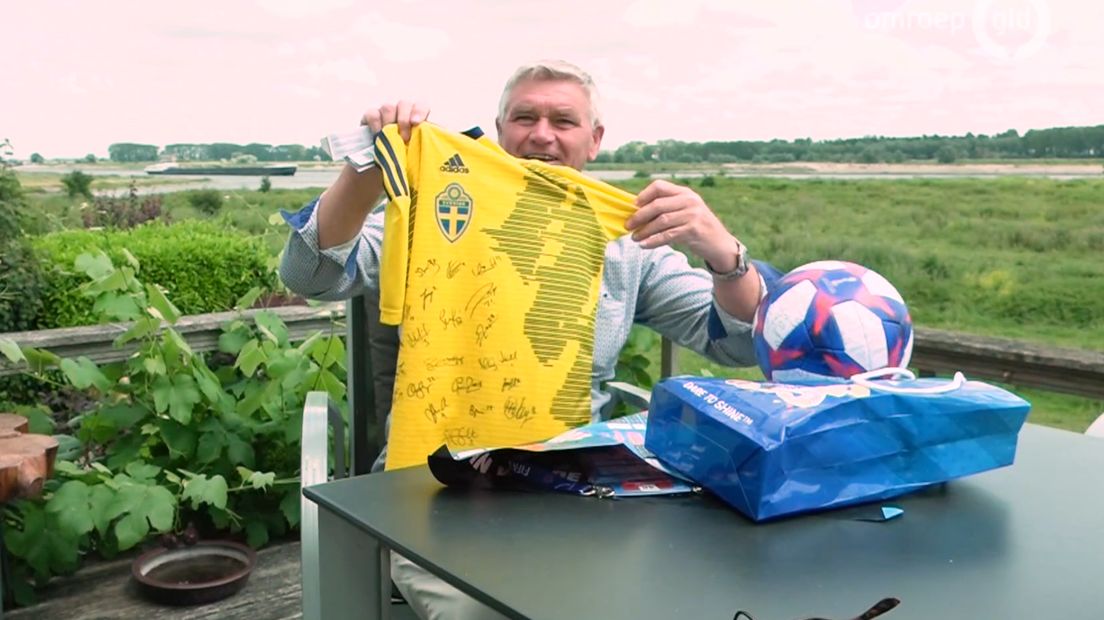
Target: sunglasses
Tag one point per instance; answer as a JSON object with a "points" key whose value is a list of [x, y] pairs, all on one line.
{"points": [[876, 610]]}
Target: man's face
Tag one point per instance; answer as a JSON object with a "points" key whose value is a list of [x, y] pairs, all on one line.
{"points": [[549, 120]]}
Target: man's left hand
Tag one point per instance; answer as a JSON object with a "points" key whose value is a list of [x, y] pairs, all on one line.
{"points": [[670, 214]]}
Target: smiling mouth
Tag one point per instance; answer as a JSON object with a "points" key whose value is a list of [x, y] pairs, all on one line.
{"points": [[542, 157]]}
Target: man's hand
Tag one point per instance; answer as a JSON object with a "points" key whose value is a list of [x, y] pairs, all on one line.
{"points": [[407, 114], [670, 214], [347, 202]]}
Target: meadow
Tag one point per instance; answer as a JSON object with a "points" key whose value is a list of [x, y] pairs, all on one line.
{"points": [[1012, 257], [49, 181]]}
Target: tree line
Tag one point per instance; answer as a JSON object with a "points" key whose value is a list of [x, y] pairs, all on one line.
{"points": [[1058, 142], [132, 152]]}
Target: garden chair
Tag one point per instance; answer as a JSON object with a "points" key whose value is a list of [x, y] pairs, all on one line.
{"points": [[371, 350]]}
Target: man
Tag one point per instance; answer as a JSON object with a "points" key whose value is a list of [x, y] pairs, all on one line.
{"points": [[549, 111]]}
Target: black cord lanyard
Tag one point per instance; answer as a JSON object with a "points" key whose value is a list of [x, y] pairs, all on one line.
{"points": [[876, 610]]}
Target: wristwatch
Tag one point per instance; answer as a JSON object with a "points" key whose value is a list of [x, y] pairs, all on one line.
{"points": [[741, 265]]}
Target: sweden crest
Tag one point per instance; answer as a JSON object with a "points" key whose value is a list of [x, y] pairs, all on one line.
{"points": [[454, 210]]}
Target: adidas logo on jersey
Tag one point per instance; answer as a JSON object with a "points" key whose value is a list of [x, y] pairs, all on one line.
{"points": [[455, 165]]}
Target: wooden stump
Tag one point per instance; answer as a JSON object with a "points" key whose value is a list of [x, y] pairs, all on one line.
{"points": [[26, 460]]}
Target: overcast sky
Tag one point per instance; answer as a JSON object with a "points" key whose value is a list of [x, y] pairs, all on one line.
{"points": [[80, 75]]}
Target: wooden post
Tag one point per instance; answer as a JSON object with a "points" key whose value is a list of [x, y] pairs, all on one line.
{"points": [[26, 462]]}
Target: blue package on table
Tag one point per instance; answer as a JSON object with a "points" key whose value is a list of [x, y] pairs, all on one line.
{"points": [[604, 459], [773, 449]]}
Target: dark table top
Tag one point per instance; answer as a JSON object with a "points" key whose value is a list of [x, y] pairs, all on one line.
{"points": [[1025, 541]]}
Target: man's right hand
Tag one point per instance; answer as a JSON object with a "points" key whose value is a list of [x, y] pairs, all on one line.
{"points": [[406, 114], [346, 203]]}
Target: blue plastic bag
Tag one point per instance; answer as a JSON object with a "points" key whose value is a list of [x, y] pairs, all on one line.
{"points": [[772, 449]]}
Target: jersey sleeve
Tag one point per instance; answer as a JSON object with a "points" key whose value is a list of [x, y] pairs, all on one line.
{"points": [[391, 157]]}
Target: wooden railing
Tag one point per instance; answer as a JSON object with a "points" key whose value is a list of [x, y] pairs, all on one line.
{"points": [[1072, 371], [200, 331]]}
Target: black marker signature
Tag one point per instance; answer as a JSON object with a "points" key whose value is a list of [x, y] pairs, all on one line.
{"points": [[434, 412], [419, 389], [430, 267], [510, 383], [488, 363], [427, 296], [474, 411], [417, 336], [482, 268], [515, 409], [451, 319], [445, 361], [482, 331], [453, 267], [483, 296], [462, 437], [466, 385]]}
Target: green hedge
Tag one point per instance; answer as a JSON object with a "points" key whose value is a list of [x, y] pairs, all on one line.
{"points": [[206, 268], [21, 279]]}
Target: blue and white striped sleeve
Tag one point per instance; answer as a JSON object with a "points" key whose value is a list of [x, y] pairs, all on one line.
{"points": [[335, 273]]}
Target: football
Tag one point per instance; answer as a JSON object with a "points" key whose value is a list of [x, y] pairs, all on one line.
{"points": [[831, 320]]}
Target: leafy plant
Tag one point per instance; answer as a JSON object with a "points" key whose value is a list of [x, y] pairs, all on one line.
{"points": [[207, 201], [21, 277], [173, 437], [634, 363], [77, 183], [266, 184]]}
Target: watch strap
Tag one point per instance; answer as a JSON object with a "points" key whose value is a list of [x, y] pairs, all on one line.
{"points": [[738, 272]]}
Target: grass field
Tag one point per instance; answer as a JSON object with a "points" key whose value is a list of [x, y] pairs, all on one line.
{"points": [[1015, 257], [1018, 258], [46, 182]]}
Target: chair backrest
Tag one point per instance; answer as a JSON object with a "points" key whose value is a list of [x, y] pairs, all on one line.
{"points": [[372, 351]]}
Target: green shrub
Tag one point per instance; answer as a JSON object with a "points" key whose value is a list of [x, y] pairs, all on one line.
{"points": [[207, 201], [266, 184], [20, 273], [12, 205], [21, 286], [708, 181], [77, 183], [205, 267]]}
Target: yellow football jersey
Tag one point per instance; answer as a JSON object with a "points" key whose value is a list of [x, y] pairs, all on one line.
{"points": [[492, 266]]}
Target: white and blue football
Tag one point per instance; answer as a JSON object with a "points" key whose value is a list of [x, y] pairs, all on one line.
{"points": [[831, 320]]}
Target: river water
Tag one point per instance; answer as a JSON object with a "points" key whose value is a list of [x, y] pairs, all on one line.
{"points": [[322, 177]]}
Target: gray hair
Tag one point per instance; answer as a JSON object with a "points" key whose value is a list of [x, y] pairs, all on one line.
{"points": [[552, 70]]}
